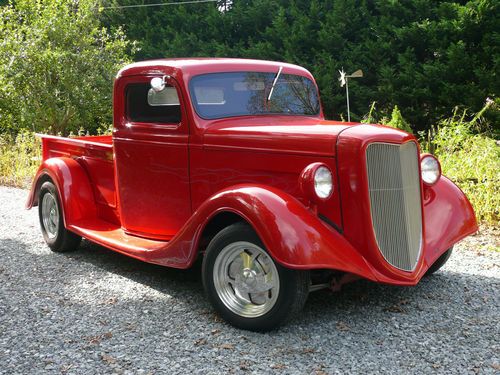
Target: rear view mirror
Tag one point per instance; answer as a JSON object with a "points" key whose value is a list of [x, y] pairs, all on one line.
{"points": [[157, 84]]}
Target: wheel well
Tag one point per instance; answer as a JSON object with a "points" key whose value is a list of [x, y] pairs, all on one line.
{"points": [[216, 224], [43, 178]]}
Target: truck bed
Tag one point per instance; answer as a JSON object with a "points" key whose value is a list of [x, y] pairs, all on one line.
{"points": [[96, 146], [95, 155]]}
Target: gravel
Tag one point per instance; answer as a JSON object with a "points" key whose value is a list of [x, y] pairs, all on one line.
{"points": [[95, 311]]}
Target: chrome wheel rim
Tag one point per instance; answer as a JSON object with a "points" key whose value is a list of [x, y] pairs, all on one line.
{"points": [[246, 279], [50, 215]]}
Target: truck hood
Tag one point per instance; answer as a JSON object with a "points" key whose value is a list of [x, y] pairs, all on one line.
{"points": [[295, 135]]}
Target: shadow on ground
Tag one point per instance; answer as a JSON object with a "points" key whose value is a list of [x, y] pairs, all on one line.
{"points": [[432, 297]]}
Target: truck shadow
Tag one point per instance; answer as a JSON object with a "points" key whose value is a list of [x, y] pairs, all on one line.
{"points": [[361, 305], [163, 279], [433, 295]]}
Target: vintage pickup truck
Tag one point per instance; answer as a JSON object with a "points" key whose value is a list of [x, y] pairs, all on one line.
{"points": [[231, 161]]}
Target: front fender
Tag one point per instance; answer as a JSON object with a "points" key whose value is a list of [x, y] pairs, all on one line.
{"points": [[73, 186], [294, 236], [448, 218]]}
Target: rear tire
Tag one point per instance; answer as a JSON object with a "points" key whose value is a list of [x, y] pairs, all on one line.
{"points": [[246, 286], [440, 262], [50, 213]]}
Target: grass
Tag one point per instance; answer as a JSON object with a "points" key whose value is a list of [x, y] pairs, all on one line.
{"points": [[470, 157], [475, 167], [20, 158]]}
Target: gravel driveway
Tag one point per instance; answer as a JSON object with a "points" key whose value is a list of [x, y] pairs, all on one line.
{"points": [[95, 311]]}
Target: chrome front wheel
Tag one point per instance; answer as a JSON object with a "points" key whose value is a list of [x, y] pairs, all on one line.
{"points": [[246, 279], [244, 283]]}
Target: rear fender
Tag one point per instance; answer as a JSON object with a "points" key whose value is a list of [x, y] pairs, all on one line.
{"points": [[294, 236], [73, 186]]}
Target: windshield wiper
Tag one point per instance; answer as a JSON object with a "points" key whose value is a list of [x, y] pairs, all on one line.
{"points": [[274, 83]]}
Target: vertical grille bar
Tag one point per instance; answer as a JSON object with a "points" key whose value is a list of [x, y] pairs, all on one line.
{"points": [[394, 187]]}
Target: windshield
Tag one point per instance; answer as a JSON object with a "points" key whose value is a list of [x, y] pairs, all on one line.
{"points": [[218, 95]]}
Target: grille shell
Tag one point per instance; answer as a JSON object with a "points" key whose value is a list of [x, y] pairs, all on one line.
{"points": [[395, 202]]}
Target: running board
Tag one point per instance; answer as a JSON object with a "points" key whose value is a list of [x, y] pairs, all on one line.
{"points": [[115, 238]]}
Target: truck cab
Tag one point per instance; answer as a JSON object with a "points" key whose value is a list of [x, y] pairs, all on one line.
{"points": [[232, 162]]}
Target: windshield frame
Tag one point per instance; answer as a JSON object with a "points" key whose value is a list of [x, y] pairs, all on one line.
{"points": [[195, 104]]}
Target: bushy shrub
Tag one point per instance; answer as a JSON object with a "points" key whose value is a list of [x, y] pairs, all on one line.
{"points": [[57, 65], [397, 121], [470, 157]]}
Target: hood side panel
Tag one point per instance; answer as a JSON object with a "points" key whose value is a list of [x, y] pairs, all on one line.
{"points": [[213, 170]]}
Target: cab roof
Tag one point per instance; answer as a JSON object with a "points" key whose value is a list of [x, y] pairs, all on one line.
{"points": [[195, 66]]}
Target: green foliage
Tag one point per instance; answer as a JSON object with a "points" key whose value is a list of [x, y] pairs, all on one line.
{"points": [[424, 56], [470, 157], [397, 121], [20, 158], [56, 66]]}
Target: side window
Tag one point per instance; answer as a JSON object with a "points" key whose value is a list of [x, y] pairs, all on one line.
{"points": [[146, 105]]}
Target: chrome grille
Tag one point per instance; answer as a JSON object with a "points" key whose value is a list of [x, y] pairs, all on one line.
{"points": [[394, 186]]}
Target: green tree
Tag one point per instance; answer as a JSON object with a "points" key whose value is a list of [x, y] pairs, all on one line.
{"points": [[424, 56], [57, 65]]}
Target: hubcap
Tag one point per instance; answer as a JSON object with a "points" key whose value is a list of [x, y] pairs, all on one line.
{"points": [[50, 215], [246, 279]]}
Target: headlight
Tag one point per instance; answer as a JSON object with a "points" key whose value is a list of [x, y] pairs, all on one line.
{"points": [[430, 169], [323, 184], [316, 182]]}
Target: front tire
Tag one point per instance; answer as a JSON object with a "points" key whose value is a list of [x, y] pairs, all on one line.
{"points": [[246, 286], [440, 262], [59, 239]]}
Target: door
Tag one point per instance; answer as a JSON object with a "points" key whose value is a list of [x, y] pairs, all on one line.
{"points": [[151, 158]]}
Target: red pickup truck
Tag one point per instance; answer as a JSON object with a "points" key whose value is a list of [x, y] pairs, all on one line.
{"points": [[232, 161]]}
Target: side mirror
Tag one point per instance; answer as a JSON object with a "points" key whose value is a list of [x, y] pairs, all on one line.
{"points": [[158, 84]]}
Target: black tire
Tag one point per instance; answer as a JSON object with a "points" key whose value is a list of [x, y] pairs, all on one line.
{"points": [[293, 284], [440, 262], [62, 240]]}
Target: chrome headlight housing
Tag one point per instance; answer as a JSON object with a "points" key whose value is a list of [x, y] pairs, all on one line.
{"points": [[430, 169], [316, 182], [323, 182]]}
